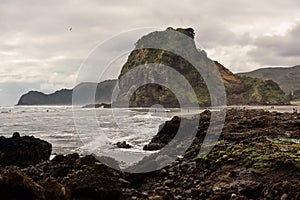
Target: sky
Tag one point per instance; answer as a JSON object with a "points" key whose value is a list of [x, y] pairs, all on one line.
{"points": [[38, 51]]}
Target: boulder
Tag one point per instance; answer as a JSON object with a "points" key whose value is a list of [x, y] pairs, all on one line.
{"points": [[123, 145], [55, 190], [16, 185], [93, 182], [166, 133], [23, 151]]}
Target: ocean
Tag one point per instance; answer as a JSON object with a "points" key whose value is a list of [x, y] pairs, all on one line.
{"points": [[56, 125]]}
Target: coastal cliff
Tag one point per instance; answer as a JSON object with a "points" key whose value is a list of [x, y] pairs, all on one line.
{"points": [[239, 90]]}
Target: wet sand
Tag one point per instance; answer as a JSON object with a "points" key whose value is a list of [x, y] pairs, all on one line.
{"points": [[278, 108]]}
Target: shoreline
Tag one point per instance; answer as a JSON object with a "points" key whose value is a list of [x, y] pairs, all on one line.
{"points": [[296, 102]]}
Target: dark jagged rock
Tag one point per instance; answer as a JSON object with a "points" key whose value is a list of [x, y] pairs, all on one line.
{"points": [[54, 190], [16, 136], [63, 178], [167, 133], [81, 177], [257, 157], [23, 151], [123, 145], [99, 183], [17, 185], [169, 129]]}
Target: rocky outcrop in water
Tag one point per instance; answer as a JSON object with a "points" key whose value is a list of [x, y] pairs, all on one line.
{"points": [[123, 145], [23, 151]]}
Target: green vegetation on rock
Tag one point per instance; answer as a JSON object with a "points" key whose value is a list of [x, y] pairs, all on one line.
{"points": [[286, 77], [264, 91], [239, 90]]}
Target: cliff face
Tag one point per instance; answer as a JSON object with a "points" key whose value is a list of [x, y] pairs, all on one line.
{"points": [[64, 97], [239, 90]]}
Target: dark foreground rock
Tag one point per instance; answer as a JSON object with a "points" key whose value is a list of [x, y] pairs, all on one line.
{"points": [[23, 151], [63, 178], [165, 134], [256, 157]]}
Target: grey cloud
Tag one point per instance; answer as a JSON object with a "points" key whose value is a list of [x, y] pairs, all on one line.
{"points": [[36, 42], [211, 37], [278, 49], [10, 91]]}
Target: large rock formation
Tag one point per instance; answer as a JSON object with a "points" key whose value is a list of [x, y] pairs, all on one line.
{"points": [[239, 90], [23, 151]]}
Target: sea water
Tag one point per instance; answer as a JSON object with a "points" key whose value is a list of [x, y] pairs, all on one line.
{"points": [[56, 125]]}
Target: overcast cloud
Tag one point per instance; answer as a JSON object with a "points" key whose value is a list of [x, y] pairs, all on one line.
{"points": [[39, 52]]}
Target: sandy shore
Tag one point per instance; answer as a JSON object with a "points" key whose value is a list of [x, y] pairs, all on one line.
{"points": [[278, 108]]}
